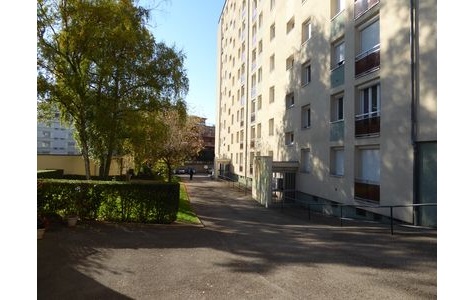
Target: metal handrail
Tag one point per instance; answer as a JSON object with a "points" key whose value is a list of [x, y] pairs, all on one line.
{"points": [[341, 206]]}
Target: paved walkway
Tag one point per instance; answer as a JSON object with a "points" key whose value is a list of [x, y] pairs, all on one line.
{"points": [[243, 251]]}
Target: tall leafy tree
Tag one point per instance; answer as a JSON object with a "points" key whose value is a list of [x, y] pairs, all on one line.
{"points": [[100, 65], [170, 137]]}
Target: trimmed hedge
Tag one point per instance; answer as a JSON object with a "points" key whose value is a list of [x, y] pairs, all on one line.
{"points": [[50, 174], [109, 200]]}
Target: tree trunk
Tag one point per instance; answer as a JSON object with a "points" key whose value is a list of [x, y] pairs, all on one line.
{"points": [[169, 167]]}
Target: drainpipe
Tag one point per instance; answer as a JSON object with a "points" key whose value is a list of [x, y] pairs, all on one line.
{"points": [[414, 78], [248, 73]]}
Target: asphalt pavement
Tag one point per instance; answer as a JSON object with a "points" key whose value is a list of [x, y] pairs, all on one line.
{"points": [[241, 251]]}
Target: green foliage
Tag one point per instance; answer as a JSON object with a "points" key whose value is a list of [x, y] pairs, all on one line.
{"points": [[49, 174], [111, 201], [101, 67]]}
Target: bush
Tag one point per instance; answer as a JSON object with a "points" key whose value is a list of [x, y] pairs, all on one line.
{"points": [[109, 200], [49, 174]]}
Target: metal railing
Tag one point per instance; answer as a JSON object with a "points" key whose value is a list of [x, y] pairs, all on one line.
{"points": [[235, 183], [308, 206]]}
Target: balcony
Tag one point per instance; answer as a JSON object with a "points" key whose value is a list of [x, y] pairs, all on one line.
{"points": [[367, 190], [337, 75], [338, 24], [367, 124], [337, 130], [367, 61], [362, 6]]}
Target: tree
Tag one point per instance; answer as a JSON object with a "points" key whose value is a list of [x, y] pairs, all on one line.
{"points": [[170, 137], [98, 64]]}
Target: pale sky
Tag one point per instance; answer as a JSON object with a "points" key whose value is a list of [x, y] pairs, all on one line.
{"points": [[191, 25]]}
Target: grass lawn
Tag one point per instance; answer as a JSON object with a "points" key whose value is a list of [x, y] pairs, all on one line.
{"points": [[185, 212]]}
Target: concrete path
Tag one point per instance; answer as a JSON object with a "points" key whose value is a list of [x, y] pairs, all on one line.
{"points": [[243, 251]]}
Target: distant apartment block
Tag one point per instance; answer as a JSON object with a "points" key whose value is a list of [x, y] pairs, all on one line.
{"points": [[54, 138], [341, 94]]}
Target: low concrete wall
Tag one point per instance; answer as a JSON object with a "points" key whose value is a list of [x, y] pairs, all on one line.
{"points": [[74, 164]]}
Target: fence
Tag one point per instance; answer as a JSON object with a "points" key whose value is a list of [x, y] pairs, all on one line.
{"points": [[311, 207]]}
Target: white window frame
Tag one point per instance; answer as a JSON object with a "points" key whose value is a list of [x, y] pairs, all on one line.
{"points": [[271, 127], [289, 100], [306, 30], [338, 54], [337, 107], [306, 73], [369, 160], [306, 116], [370, 106], [337, 161], [305, 162], [289, 138]]}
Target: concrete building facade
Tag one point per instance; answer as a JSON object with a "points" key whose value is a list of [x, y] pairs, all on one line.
{"points": [[54, 138], [348, 89]]}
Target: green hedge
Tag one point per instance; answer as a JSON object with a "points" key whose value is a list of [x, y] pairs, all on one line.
{"points": [[109, 200], [49, 174]]}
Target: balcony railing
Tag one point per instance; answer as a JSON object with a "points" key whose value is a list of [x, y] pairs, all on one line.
{"points": [[361, 6], [367, 61], [367, 190], [338, 24], [367, 124], [337, 75], [253, 92], [337, 130]]}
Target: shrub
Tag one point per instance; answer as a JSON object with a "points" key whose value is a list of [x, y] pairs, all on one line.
{"points": [[110, 200]]}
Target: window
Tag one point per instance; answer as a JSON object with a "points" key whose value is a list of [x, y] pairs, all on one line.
{"points": [[46, 134], [258, 134], [337, 108], [259, 75], [272, 4], [272, 63], [306, 116], [290, 25], [305, 160], [259, 47], [289, 62], [289, 138], [259, 102], [289, 100], [369, 102], [45, 144], [337, 161], [271, 127], [306, 73], [369, 165], [369, 37], [306, 31], [272, 31], [338, 54], [271, 94], [271, 154], [337, 6]]}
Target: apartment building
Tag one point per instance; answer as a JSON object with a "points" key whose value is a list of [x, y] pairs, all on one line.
{"points": [[54, 138], [344, 91]]}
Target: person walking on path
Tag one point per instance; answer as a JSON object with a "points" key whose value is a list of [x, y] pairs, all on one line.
{"points": [[191, 174]]}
